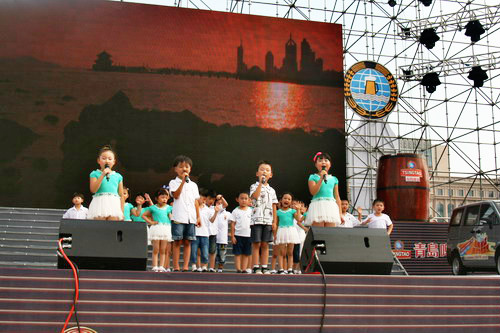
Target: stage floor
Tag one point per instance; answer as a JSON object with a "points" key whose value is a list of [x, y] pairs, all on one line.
{"points": [[38, 300]]}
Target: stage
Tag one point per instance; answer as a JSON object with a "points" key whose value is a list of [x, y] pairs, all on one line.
{"points": [[36, 297], [38, 300]]}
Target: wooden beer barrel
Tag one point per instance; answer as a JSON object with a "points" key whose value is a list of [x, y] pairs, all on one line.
{"points": [[403, 184]]}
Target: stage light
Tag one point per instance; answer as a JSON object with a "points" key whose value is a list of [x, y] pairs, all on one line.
{"points": [[478, 75], [430, 81], [405, 33], [474, 29], [392, 3], [426, 3], [429, 38], [407, 74]]}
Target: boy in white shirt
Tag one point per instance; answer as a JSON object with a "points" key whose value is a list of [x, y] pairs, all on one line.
{"points": [[185, 210], [263, 221], [349, 220], [240, 234], [77, 211], [377, 219], [202, 233], [212, 231], [221, 218]]}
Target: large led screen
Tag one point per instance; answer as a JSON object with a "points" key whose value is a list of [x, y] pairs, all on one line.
{"points": [[154, 82]]}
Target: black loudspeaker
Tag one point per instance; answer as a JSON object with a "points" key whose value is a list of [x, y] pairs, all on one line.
{"points": [[105, 244], [347, 251]]}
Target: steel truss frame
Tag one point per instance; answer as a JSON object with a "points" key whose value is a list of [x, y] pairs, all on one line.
{"points": [[458, 116]]}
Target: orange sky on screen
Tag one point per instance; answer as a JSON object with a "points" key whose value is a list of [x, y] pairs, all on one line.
{"points": [[155, 36]]}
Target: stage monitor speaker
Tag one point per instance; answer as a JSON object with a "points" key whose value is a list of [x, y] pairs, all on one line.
{"points": [[347, 251], [105, 244]]}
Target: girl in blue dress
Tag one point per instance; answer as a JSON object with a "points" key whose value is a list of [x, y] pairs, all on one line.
{"points": [[286, 235], [128, 206], [158, 217], [142, 201], [324, 210], [107, 185]]}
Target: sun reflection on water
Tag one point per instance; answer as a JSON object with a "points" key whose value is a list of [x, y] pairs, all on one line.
{"points": [[277, 105]]}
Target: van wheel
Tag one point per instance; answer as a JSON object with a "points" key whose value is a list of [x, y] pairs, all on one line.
{"points": [[457, 268]]}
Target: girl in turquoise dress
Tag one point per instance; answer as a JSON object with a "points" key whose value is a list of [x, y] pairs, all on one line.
{"points": [[286, 234], [107, 185], [128, 206], [324, 210], [158, 217], [142, 201]]}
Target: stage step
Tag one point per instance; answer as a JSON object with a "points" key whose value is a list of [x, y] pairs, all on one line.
{"points": [[34, 300], [29, 223]]}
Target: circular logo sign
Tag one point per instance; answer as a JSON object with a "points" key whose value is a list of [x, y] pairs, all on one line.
{"points": [[370, 89], [412, 165], [399, 245]]}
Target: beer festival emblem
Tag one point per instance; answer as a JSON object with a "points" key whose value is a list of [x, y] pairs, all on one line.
{"points": [[399, 250], [411, 174], [370, 90]]}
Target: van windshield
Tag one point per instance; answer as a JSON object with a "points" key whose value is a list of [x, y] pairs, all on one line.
{"points": [[487, 215]]}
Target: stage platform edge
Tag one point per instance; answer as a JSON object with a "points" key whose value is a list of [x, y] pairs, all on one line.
{"points": [[38, 300]]}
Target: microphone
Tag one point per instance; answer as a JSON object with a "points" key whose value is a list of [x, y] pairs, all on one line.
{"points": [[106, 166], [187, 179], [324, 176], [263, 180]]}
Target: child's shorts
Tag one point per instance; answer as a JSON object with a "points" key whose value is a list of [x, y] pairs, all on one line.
{"points": [[243, 246], [183, 231], [261, 233], [212, 244], [221, 254]]}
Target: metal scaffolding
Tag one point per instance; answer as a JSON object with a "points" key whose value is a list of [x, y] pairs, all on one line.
{"points": [[459, 117]]}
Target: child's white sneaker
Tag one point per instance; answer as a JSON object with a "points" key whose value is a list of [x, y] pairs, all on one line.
{"points": [[219, 270], [155, 269], [273, 271], [162, 269], [193, 268]]}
